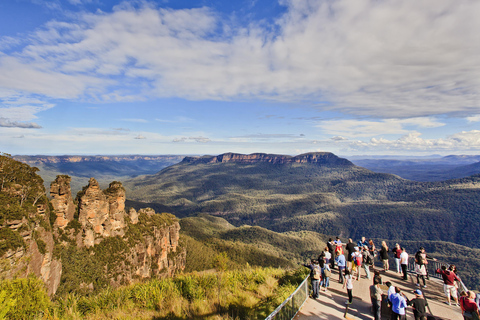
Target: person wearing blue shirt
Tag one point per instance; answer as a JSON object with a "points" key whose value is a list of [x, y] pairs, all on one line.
{"points": [[399, 304], [341, 263], [362, 243]]}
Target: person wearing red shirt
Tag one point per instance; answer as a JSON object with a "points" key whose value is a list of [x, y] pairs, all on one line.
{"points": [[469, 307], [449, 278]]}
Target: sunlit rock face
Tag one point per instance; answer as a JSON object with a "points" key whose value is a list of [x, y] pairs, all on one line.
{"points": [[62, 200]]}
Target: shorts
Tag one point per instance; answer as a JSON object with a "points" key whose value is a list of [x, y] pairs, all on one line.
{"points": [[450, 290]]}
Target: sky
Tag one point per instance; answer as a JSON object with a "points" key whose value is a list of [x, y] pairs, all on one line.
{"points": [[352, 77]]}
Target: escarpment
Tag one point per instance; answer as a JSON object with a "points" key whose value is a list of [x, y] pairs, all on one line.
{"points": [[80, 244], [320, 158], [129, 245]]}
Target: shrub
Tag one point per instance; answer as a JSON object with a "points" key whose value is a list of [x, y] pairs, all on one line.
{"points": [[33, 300]]}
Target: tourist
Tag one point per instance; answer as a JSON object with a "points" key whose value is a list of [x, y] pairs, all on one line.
{"points": [[418, 305], [341, 263], [349, 284], [367, 260], [361, 243], [399, 303], [449, 283], [326, 273], [469, 307], [327, 256], [421, 265], [397, 251], [384, 256], [404, 263], [331, 249], [357, 260], [371, 247], [315, 276], [349, 248], [377, 277], [376, 297]]}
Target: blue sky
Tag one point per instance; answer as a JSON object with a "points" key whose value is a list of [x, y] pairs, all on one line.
{"points": [[208, 77]]}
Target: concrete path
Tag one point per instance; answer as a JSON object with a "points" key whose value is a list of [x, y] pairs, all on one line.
{"points": [[331, 304]]}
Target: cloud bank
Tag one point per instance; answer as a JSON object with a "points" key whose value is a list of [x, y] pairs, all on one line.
{"points": [[388, 58]]}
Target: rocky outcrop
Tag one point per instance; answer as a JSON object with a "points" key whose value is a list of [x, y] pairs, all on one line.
{"points": [[36, 256], [320, 158], [145, 244], [62, 200], [101, 213]]}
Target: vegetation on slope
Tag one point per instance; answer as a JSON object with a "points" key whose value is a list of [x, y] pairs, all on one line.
{"points": [[250, 293], [328, 198]]}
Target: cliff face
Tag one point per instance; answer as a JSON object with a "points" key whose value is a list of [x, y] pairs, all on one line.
{"points": [[321, 158], [62, 200], [142, 244], [26, 238], [81, 244]]}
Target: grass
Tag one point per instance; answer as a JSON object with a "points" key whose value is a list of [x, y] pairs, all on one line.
{"points": [[250, 293]]}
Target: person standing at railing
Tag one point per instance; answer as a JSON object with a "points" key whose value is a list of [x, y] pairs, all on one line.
{"points": [[404, 263], [384, 256], [315, 276], [449, 283], [421, 265], [397, 251], [331, 249]]}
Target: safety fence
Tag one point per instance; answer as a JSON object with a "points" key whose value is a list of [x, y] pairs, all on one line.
{"points": [[432, 266], [290, 307]]}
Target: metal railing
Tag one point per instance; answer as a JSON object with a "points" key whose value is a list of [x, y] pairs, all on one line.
{"points": [[290, 307], [432, 266]]}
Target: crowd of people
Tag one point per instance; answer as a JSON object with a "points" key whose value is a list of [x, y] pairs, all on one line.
{"points": [[351, 258]]}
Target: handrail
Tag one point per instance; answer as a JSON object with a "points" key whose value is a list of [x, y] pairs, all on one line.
{"points": [[286, 311], [298, 298], [432, 266]]}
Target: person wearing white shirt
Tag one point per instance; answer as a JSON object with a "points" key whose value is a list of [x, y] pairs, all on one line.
{"points": [[404, 263]]}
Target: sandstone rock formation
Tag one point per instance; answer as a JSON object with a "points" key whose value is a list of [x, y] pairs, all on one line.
{"points": [[32, 258], [62, 200], [322, 158], [101, 213]]}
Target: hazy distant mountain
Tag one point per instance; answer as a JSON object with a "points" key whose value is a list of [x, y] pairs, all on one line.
{"points": [[104, 168], [424, 168], [317, 192]]}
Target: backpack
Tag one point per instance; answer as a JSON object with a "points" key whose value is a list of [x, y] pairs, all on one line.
{"points": [[316, 273], [358, 260], [327, 272]]}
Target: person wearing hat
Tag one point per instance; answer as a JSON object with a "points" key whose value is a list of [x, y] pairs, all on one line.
{"points": [[419, 305]]}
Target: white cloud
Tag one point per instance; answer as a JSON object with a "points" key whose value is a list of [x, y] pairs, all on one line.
{"points": [[460, 142], [368, 128], [475, 118], [140, 137], [195, 139], [390, 59]]}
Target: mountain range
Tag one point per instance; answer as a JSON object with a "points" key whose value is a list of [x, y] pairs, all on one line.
{"points": [[316, 192]]}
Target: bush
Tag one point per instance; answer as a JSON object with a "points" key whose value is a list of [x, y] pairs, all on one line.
{"points": [[27, 295]]}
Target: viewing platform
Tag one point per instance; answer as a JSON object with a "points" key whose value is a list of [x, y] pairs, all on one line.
{"points": [[331, 304]]}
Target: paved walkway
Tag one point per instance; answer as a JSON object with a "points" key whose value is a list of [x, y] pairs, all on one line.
{"points": [[331, 304]]}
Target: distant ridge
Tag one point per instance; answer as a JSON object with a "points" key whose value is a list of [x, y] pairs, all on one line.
{"points": [[323, 158]]}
